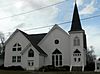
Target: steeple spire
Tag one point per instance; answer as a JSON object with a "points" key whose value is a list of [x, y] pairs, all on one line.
{"points": [[76, 24], [75, 1]]}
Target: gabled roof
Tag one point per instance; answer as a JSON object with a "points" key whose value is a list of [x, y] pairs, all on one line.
{"points": [[56, 52], [11, 36], [76, 24], [34, 39], [53, 28], [77, 51]]}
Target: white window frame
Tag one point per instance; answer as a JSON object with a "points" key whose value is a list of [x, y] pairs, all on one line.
{"points": [[31, 54], [17, 47], [76, 41], [18, 58], [57, 61], [14, 59], [30, 62]]}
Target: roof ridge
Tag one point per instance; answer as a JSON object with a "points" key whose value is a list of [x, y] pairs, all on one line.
{"points": [[34, 44], [22, 31], [37, 34]]}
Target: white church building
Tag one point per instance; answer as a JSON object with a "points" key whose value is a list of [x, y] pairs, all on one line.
{"points": [[57, 47]]}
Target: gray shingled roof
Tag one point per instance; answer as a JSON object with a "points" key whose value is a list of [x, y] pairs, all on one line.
{"points": [[35, 39]]}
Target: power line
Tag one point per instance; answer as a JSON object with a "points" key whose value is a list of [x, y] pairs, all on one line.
{"points": [[63, 23], [49, 25], [91, 17], [39, 27], [32, 10], [59, 23]]}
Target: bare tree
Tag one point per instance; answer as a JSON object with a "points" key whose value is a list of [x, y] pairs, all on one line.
{"points": [[2, 40], [90, 54], [90, 63]]}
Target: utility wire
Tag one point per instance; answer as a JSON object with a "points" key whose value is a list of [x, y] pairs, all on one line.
{"points": [[43, 8], [91, 17], [32, 10], [63, 23], [39, 27], [87, 18]]}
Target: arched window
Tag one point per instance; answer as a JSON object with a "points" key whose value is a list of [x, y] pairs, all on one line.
{"points": [[76, 41], [16, 47], [77, 55], [57, 58], [30, 53]]}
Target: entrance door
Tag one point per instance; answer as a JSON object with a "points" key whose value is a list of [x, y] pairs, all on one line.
{"points": [[57, 58], [30, 65]]}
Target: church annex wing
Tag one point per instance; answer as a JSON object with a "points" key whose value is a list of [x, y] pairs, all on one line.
{"points": [[33, 39]]}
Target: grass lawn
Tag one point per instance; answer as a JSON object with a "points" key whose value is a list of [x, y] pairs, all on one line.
{"points": [[69, 73], [14, 72], [31, 72]]}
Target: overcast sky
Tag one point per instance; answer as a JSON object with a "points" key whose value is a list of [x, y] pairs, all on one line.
{"points": [[49, 16]]}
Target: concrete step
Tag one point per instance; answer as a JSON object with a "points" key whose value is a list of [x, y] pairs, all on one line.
{"points": [[77, 68]]}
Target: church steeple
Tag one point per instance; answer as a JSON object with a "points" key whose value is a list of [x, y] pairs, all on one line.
{"points": [[76, 24]]}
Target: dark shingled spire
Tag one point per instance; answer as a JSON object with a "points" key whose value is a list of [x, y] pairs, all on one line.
{"points": [[76, 24]]}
